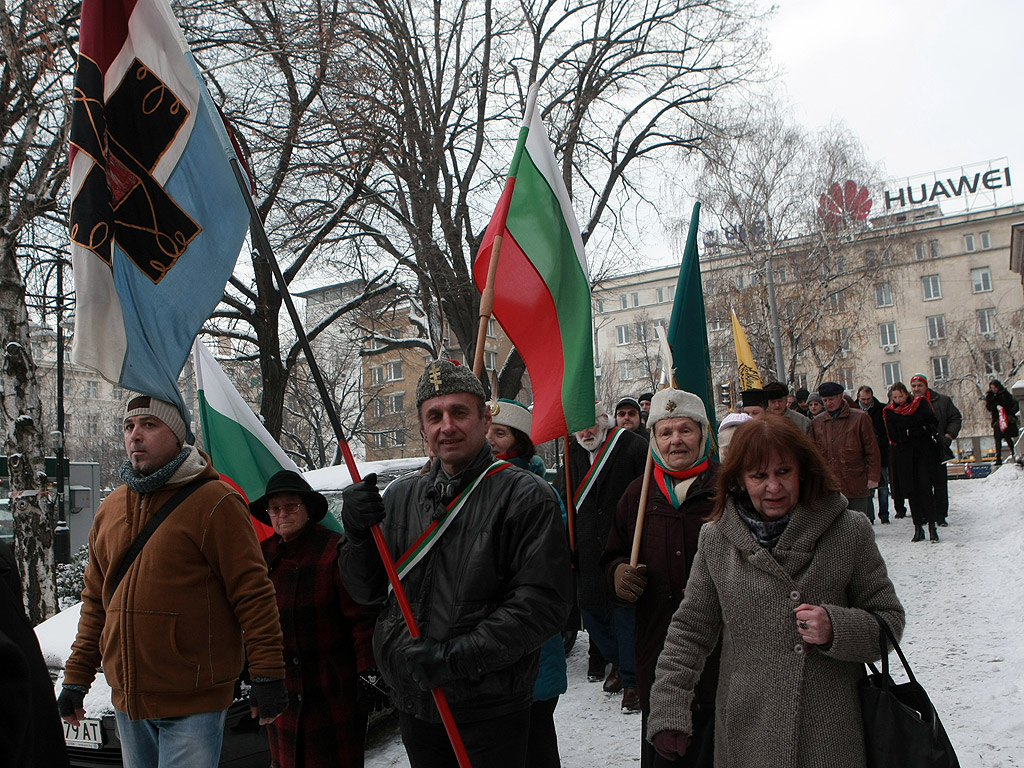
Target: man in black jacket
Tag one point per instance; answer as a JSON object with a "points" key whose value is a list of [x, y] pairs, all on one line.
{"points": [[487, 585], [872, 407]]}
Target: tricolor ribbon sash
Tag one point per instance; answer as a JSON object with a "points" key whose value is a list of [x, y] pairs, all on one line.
{"points": [[429, 537], [603, 455]]}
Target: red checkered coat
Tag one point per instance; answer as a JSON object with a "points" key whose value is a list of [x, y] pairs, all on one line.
{"points": [[327, 643]]}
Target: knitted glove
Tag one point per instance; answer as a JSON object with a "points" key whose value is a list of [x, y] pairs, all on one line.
{"points": [[268, 697], [671, 744], [71, 701], [432, 664], [361, 507], [630, 582], [372, 694]]}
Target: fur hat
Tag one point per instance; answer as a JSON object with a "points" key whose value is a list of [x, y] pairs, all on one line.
{"points": [[145, 405], [287, 481], [830, 389], [446, 377], [776, 390], [511, 413], [675, 403], [754, 397]]}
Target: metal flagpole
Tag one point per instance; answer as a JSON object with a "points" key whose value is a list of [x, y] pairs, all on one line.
{"points": [[262, 243]]}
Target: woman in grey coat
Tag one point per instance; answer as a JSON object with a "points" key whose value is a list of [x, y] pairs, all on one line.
{"points": [[786, 575]]}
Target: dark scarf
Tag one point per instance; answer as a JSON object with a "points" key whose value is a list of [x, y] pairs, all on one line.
{"points": [[143, 484], [766, 532]]}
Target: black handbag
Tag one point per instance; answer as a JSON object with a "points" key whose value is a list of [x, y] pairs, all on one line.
{"points": [[901, 727]]}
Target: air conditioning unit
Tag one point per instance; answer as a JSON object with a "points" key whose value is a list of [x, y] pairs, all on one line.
{"points": [[988, 336], [932, 342], [597, 372], [889, 348]]}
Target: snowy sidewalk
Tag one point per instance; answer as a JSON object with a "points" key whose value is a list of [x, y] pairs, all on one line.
{"points": [[964, 638]]}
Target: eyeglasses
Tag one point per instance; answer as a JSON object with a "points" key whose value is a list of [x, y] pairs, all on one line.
{"points": [[290, 509]]}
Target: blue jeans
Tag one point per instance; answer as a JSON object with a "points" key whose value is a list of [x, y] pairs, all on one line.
{"points": [[882, 494], [613, 630], [190, 741]]}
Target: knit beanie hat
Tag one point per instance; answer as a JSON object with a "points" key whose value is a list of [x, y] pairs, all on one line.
{"points": [[814, 397], [920, 376], [145, 405], [446, 377], [511, 413]]}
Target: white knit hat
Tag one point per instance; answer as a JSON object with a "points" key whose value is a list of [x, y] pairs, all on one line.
{"points": [[144, 405], [511, 413]]}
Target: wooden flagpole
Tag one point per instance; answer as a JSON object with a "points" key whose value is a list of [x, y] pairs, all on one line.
{"points": [[262, 243]]}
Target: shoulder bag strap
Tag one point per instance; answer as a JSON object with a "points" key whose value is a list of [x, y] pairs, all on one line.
{"points": [[151, 525], [885, 634]]}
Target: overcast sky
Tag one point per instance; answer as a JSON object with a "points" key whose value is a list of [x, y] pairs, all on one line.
{"points": [[926, 85]]}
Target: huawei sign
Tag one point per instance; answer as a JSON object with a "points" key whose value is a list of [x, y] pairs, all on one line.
{"points": [[844, 202]]}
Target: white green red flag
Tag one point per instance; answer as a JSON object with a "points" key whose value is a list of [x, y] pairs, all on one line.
{"points": [[241, 448], [542, 286]]}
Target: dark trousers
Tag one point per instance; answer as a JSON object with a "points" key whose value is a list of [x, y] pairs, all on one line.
{"points": [[922, 508], [700, 753], [496, 743], [998, 436], [614, 631], [542, 749], [940, 490], [863, 504]]}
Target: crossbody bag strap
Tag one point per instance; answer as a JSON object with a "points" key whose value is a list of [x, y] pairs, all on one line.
{"points": [[151, 525]]}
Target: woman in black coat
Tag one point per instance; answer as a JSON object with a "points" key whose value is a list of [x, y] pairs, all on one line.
{"points": [[997, 397], [912, 428]]}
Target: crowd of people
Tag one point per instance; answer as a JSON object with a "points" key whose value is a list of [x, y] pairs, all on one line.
{"points": [[729, 581]]}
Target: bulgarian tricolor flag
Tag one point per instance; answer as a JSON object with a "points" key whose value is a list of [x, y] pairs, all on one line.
{"points": [[542, 285], [241, 448]]}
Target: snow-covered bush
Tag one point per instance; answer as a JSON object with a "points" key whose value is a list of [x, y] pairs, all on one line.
{"points": [[70, 578]]}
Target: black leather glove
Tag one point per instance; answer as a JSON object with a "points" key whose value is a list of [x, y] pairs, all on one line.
{"points": [[433, 664], [269, 697], [372, 694], [361, 507], [70, 702]]}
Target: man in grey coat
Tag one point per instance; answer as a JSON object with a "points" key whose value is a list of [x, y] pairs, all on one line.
{"points": [[949, 422]]}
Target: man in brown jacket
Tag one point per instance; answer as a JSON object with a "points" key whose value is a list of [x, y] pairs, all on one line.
{"points": [[169, 634], [846, 438]]}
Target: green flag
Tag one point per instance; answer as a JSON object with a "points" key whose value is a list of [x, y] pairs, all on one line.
{"points": [[688, 328]]}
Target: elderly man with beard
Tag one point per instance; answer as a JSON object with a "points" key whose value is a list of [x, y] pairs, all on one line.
{"points": [[485, 568], [603, 461], [950, 421]]}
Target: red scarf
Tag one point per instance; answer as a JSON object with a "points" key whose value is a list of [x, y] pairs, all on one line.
{"points": [[907, 408], [680, 474]]}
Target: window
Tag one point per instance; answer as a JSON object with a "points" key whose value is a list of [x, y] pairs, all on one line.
{"points": [[492, 328], [891, 373], [933, 246], [987, 320], [624, 301], [986, 241], [116, 393], [936, 325], [842, 337], [666, 294], [377, 375], [490, 360], [378, 408], [837, 301], [636, 299], [396, 402], [800, 380], [641, 331], [398, 437], [717, 323], [845, 376], [625, 370], [739, 282], [393, 370], [887, 334], [920, 251], [92, 389], [930, 286], [380, 440], [781, 272], [981, 280], [600, 306], [621, 334], [940, 367], [969, 243], [993, 362], [883, 295], [92, 425]]}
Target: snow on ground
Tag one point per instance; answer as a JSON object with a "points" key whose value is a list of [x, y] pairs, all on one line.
{"points": [[964, 638]]}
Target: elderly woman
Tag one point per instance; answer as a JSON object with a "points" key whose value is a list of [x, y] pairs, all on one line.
{"points": [[913, 429], [787, 576], [678, 501], [330, 671], [509, 436]]}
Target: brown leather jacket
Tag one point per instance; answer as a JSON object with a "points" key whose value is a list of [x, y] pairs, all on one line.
{"points": [[850, 448]]}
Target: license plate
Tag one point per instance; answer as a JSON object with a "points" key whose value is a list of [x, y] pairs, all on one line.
{"points": [[88, 733]]}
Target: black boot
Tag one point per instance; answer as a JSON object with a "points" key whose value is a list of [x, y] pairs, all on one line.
{"points": [[933, 535], [918, 533]]}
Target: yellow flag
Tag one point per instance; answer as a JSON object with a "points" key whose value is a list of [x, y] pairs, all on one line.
{"points": [[749, 377]]}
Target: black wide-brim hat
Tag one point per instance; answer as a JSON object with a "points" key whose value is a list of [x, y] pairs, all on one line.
{"points": [[287, 481]]}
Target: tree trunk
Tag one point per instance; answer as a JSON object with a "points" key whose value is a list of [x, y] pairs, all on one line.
{"points": [[34, 517]]}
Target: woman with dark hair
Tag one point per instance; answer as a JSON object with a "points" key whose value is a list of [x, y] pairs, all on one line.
{"points": [[509, 436], [331, 676], [914, 451], [788, 577], [1003, 407]]}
